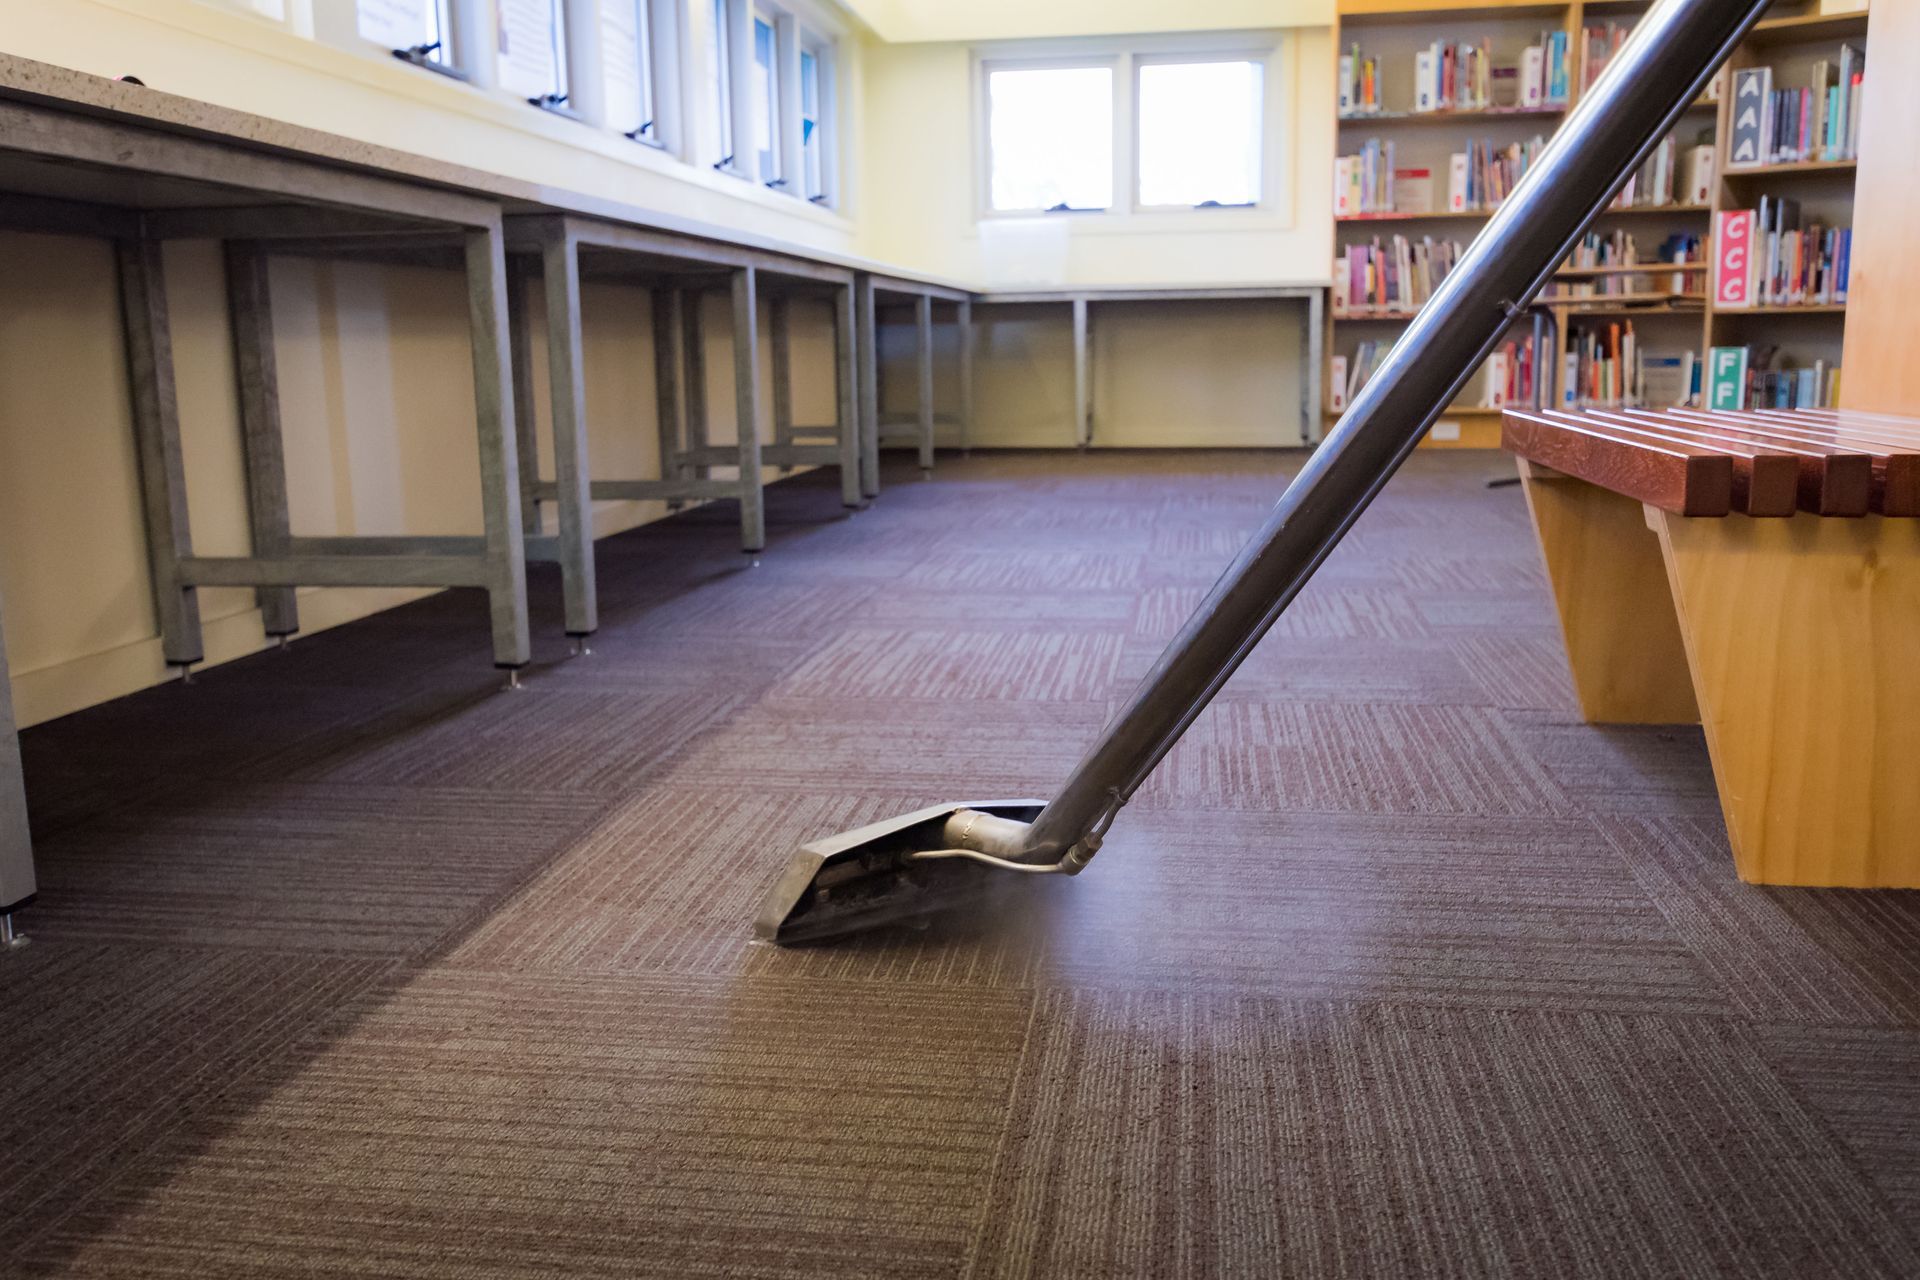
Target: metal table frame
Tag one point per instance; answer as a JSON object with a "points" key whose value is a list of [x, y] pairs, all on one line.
{"points": [[560, 249], [252, 199], [874, 290], [1312, 340]]}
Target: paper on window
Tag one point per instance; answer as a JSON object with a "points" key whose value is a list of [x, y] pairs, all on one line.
{"points": [[620, 59], [398, 24], [529, 64]]}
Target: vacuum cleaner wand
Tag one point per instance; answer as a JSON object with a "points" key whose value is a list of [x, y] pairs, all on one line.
{"points": [[951, 855]]}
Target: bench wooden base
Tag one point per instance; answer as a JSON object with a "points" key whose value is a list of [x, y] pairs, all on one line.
{"points": [[1800, 643]]}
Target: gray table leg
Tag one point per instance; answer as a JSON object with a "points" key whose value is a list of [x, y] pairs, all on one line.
{"points": [[867, 356], [964, 320], [250, 305], [666, 379], [923, 324], [499, 460], [156, 428], [846, 394], [525, 421], [17, 884], [746, 399], [1082, 381], [693, 348], [780, 356], [567, 379]]}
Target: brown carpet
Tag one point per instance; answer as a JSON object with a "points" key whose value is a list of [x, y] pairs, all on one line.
{"points": [[348, 964]]}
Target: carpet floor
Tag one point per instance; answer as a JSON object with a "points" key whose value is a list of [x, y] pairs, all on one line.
{"points": [[348, 963]]}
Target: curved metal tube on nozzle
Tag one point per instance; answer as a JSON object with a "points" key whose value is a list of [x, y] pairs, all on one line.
{"points": [[1651, 81]]}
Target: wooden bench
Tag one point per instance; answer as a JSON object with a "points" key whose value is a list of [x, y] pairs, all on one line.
{"points": [[1756, 573]]}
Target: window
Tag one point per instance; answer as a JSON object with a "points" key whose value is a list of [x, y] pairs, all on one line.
{"points": [[812, 140], [766, 100], [533, 50], [720, 66], [1156, 123], [1050, 132], [1199, 133], [629, 52], [420, 31]]}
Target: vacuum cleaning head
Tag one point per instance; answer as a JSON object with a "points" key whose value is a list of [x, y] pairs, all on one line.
{"points": [[900, 871]]}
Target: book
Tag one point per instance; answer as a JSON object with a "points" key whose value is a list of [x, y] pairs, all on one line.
{"points": [[1727, 378], [1424, 97], [1498, 368], [1664, 379], [1413, 191], [1752, 129], [1504, 86], [1533, 83], [1457, 183], [1337, 384], [1733, 258], [1699, 174], [1346, 84]]}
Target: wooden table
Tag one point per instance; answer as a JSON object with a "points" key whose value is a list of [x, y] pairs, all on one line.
{"points": [[1082, 301]]}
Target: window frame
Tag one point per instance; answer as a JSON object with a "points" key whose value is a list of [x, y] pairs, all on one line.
{"points": [[778, 24], [657, 46], [1277, 53], [1267, 167], [338, 23], [1112, 62], [567, 40], [825, 52]]}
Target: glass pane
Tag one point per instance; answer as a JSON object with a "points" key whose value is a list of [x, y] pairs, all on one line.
{"points": [[766, 101], [532, 38], [1051, 134], [626, 53], [404, 24], [810, 123], [720, 73], [1200, 133]]}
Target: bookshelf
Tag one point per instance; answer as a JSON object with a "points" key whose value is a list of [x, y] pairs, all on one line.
{"points": [[1792, 39]]}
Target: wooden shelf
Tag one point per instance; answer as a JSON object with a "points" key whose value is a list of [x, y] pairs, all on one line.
{"points": [[1640, 268], [1575, 311], [1807, 28], [1796, 36], [1455, 411], [1814, 309], [1643, 210], [1455, 117], [1471, 215], [1797, 166]]}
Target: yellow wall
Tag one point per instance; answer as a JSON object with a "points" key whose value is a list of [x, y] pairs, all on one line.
{"points": [[902, 21], [1164, 375], [918, 189], [376, 385], [377, 389]]}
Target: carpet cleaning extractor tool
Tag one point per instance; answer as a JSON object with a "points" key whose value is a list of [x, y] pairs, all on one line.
{"points": [[950, 855]]}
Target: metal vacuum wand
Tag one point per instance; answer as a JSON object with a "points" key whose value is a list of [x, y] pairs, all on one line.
{"points": [[927, 861]]}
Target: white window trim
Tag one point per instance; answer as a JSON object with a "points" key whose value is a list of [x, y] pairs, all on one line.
{"points": [[471, 57], [1121, 161], [1274, 50], [577, 42], [826, 60], [786, 106], [470, 83]]}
